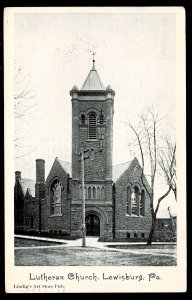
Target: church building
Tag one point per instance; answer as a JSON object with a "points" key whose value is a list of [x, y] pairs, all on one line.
{"points": [[116, 203]]}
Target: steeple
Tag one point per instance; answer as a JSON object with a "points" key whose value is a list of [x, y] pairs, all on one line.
{"points": [[93, 81]]}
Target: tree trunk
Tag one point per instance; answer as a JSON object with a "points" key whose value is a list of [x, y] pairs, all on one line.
{"points": [[151, 234]]}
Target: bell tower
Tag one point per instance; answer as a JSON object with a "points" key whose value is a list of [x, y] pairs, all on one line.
{"points": [[92, 132]]}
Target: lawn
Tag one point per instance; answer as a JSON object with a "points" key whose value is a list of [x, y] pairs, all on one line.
{"points": [[78, 256], [144, 246], [32, 243]]}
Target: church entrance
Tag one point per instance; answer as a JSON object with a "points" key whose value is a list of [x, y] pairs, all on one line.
{"points": [[92, 225]]}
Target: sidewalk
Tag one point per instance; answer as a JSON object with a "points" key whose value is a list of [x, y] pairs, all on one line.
{"points": [[90, 242]]}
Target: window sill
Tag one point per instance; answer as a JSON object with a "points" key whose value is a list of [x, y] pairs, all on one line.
{"points": [[93, 140], [59, 215], [135, 216]]}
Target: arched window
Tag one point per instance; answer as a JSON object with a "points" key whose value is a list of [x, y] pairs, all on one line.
{"points": [[142, 203], [92, 127], [92, 154], [102, 193], [128, 201], [101, 117], [89, 192], [80, 193], [56, 198], [85, 189], [94, 193], [83, 119], [135, 197], [98, 193]]}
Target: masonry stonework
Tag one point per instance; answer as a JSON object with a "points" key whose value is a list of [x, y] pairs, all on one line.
{"points": [[116, 207]]}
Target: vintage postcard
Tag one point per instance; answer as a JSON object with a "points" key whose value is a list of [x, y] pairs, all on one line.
{"points": [[95, 149]]}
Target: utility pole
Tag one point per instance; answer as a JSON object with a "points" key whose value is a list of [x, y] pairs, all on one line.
{"points": [[83, 196]]}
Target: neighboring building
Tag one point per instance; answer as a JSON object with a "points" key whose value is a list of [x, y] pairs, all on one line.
{"points": [[117, 205], [166, 228]]}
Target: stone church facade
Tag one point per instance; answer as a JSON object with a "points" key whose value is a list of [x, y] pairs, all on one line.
{"points": [[117, 205]]}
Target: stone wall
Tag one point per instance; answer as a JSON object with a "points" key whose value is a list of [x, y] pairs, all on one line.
{"points": [[130, 226]]}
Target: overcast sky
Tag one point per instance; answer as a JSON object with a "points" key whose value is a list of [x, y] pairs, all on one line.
{"points": [[135, 54]]}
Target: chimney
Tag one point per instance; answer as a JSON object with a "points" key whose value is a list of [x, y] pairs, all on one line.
{"points": [[40, 171], [17, 175]]}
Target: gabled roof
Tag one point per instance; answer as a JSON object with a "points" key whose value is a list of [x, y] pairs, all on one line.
{"points": [[93, 82], [28, 184], [65, 165], [118, 170]]}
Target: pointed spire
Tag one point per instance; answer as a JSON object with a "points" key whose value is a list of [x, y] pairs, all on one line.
{"points": [[93, 81]]}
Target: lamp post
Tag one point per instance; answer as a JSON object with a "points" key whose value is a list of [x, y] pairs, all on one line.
{"points": [[83, 201], [83, 157]]}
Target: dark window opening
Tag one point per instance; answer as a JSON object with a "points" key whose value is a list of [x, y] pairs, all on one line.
{"points": [[92, 154], [128, 201], [101, 118], [142, 203], [94, 193], [128, 235], [82, 119], [27, 222], [142, 235], [31, 222], [89, 193], [135, 235], [92, 127]]}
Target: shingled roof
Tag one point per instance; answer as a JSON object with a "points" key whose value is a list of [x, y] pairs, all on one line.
{"points": [[65, 165], [119, 169]]}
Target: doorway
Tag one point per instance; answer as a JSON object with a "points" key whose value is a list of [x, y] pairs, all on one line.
{"points": [[92, 225]]}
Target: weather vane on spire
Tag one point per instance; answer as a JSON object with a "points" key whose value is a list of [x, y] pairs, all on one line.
{"points": [[93, 60], [94, 56]]}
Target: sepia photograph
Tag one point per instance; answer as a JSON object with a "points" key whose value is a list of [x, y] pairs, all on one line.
{"points": [[95, 139]]}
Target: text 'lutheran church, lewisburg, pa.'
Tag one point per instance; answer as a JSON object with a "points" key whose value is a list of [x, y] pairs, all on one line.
{"points": [[116, 203]]}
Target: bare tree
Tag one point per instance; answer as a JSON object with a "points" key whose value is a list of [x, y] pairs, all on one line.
{"points": [[147, 137], [23, 109], [167, 163]]}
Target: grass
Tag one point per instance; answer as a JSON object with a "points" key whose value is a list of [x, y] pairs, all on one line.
{"points": [[78, 256], [30, 243], [146, 247], [47, 235]]}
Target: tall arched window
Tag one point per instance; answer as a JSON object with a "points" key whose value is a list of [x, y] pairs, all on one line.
{"points": [[98, 193], [102, 193], [85, 189], [56, 197], [92, 135], [142, 203], [80, 193], [89, 192], [94, 193], [128, 201], [135, 197]]}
